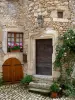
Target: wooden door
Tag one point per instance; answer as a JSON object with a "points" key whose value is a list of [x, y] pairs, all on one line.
{"points": [[44, 51], [12, 70]]}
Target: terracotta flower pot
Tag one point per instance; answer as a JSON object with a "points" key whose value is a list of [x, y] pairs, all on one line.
{"points": [[15, 50], [54, 95]]}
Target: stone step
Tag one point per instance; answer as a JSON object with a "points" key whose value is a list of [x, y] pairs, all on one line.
{"points": [[42, 79], [39, 85], [39, 90]]}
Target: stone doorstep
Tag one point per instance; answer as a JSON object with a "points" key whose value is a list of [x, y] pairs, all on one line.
{"points": [[39, 85], [39, 90], [42, 79]]}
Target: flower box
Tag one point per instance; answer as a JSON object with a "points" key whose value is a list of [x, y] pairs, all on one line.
{"points": [[15, 50]]}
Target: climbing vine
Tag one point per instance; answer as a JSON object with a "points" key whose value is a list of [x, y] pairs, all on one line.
{"points": [[65, 53]]}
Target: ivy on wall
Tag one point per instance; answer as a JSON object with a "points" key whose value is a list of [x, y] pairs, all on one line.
{"points": [[65, 53]]}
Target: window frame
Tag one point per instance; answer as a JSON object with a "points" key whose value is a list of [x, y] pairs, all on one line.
{"points": [[60, 11], [15, 38]]}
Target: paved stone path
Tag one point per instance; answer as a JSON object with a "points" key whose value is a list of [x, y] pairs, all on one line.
{"points": [[17, 92]]}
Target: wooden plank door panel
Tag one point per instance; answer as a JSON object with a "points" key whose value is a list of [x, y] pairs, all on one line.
{"points": [[44, 51], [6, 74], [18, 73], [12, 70], [7, 70], [18, 70]]}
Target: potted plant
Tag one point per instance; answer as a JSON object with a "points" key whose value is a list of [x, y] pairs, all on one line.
{"points": [[54, 89], [26, 80], [15, 48]]}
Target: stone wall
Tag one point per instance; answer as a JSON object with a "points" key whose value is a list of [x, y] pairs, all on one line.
{"points": [[72, 10], [10, 20], [10, 13], [48, 9], [21, 15]]}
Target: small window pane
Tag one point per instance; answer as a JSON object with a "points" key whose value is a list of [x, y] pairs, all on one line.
{"points": [[60, 14], [21, 35], [17, 39], [12, 39], [20, 39], [9, 35], [12, 35], [9, 39], [17, 35]]}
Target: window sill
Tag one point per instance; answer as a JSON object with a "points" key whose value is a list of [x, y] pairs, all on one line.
{"points": [[14, 52], [60, 20]]}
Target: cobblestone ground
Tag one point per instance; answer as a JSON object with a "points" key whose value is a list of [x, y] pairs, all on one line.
{"points": [[18, 92]]}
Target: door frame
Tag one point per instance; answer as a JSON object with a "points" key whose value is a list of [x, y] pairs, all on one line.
{"points": [[48, 34]]}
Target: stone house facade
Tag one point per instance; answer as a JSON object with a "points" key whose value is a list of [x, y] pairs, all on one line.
{"points": [[36, 19]]}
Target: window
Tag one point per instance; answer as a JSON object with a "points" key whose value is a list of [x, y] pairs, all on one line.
{"points": [[14, 38], [60, 14]]}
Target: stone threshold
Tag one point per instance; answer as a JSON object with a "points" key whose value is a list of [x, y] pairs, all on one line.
{"points": [[43, 76]]}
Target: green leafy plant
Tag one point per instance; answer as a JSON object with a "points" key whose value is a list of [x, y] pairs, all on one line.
{"points": [[14, 47], [67, 48], [73, 82], [26, 79], [65, 60], [1, 81], [65, 54], [69, 90], [55, 87]]}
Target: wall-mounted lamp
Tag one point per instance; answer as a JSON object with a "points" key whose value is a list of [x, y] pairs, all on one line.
{"points": [[40, 20]]}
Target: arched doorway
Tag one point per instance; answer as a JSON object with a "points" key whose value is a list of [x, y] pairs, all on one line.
{"points": [[12, 70]]}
